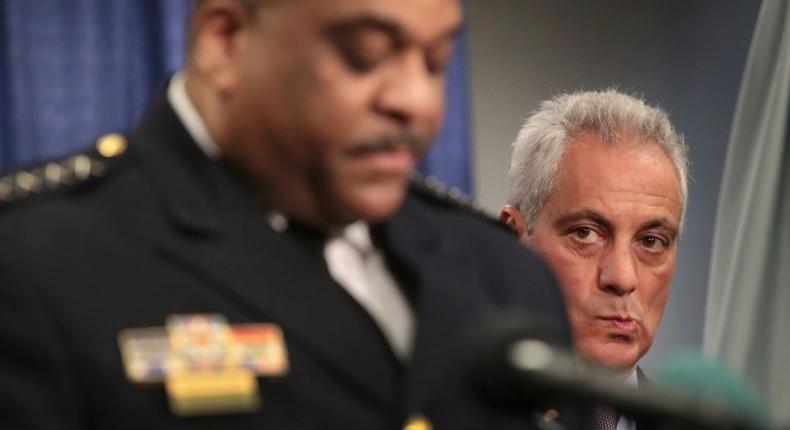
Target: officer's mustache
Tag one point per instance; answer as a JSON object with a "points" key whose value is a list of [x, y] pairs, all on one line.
{"points": [[410, 141]]}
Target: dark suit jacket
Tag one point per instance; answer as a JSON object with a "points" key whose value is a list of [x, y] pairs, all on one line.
{"points": [[165, 230], [643, 382]]}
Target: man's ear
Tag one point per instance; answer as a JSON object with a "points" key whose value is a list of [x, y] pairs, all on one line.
{"points": [[219, 31], [511, 217]]}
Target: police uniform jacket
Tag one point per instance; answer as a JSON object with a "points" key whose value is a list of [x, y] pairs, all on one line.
{"points": [[109, 240]]}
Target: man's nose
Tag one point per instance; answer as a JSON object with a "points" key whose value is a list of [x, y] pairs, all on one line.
{"points": [[411, 93], [618, 271]]}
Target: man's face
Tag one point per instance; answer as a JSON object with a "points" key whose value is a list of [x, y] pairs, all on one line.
{"points": [[333, 101], [609, 231]]}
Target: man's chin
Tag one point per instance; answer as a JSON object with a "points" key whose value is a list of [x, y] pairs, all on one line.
{"points": [[372, 202], [617, 356]]}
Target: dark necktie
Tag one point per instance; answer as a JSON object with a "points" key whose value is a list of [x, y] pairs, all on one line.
{"points": [[606, 417]]}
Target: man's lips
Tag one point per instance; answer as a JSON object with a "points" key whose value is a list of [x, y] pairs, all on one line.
{"points": [[387, 156], [406, 141], [387, 162], [622, 323]]}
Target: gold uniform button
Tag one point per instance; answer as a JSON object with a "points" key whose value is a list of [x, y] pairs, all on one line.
{"points": [[418, 422], [111, 145]]}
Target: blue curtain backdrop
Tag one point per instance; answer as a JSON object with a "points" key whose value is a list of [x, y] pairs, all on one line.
{"points": [[71, 70]]}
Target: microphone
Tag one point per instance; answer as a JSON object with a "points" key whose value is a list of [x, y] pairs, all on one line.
{"points": [[691, 374], [517, 361]]}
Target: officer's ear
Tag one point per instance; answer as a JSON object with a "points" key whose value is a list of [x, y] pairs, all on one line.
{"points": [[511, 217], [219, 32]]}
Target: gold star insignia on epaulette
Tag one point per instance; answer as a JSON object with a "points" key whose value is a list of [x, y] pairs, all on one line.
{"points": [[452, 193], [111, 145], [58, 174], [449, 194], [27, 182], [6, 187], [430, 188]]}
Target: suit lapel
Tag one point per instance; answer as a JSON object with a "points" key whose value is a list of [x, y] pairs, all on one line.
{"points": [[221, 235], [447, 300], [642, 380], [273, 279]]}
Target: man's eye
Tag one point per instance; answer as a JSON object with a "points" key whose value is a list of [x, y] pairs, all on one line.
{"points": [[585, 234], [653, 243], [361, 60], [363, 52]]}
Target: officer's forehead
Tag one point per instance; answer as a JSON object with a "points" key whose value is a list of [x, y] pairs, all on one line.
{"points": [[421, 21], [306, 4]]}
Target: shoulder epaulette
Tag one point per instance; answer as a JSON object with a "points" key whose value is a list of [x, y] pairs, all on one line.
{"points": [[64, 173], [430, 188]]}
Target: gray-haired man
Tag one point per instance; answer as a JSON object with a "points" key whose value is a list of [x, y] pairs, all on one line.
{"points": [[597, 187]]}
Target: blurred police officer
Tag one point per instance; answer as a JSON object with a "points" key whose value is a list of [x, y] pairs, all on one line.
{"points": [[270, 183]]}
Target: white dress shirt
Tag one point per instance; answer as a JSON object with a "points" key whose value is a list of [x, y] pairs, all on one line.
{"points": [[356, 264]]}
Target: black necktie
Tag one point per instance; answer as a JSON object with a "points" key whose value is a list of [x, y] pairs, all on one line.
{"points": [[606, 417]]}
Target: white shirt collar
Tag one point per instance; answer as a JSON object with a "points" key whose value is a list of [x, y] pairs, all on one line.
{"points": [[632, 380], [189, 116], [358, 234]]}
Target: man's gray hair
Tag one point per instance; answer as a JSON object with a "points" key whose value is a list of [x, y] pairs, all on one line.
{"points": [[542, 140]]}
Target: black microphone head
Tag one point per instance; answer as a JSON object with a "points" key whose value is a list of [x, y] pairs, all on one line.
{"points": [[519, 363], [492, 347]]}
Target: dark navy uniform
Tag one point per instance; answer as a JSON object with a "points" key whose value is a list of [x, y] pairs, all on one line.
{"points": [[147, 226]]}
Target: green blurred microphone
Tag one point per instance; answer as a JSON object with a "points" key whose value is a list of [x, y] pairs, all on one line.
{"points": [[690, 374]]}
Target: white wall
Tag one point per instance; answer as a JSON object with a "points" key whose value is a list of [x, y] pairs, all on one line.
{"points": [[686, 56]]}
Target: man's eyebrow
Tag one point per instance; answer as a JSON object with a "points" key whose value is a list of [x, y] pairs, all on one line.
{"points": [[584, 214], [658, 223], [379, 23], [453, 32], [367, 22]]}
